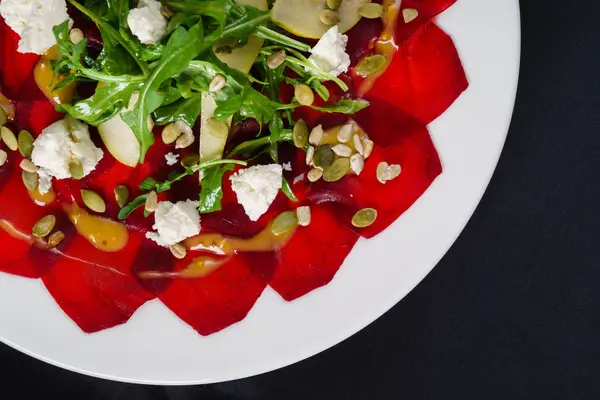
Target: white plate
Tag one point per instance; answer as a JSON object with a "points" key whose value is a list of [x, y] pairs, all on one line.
{"points": [[156, 347]]}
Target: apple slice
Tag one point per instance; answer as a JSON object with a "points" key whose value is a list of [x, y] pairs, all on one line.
{"points": [[301, 17]]}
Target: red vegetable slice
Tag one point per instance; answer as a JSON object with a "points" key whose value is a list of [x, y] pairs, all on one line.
{"points": [[312, 256], [420, 164], [96, 289], [427, 10], [425, 77], [217, 300], [15, 67]]}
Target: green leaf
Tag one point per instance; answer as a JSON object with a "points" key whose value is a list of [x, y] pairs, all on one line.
{"points": [[217, 9], [287, 190], [211, 192], [227, 108], [275, 128], [186, 110], [148, 184], [182, 47], [131, 207], [247, 148], [346, 106], [247, 20]]}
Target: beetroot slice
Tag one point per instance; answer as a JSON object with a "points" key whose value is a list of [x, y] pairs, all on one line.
{"points": [[96, 289], [425, 77], [427, 10], [420, 166], [218, 300], [15, 67], [312, 256]]}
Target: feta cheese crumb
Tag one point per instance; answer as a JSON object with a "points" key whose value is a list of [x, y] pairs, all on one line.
{"points": [[33, 21], [175, 222], [59, 144], [287, 166], [146, 22], [171, 158], [256, 188], [329, 54]]}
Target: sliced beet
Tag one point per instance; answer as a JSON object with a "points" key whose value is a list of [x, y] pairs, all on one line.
{"points": [[15, 68], [312, 256], [427, 10], [420, 164], [218, 300]]}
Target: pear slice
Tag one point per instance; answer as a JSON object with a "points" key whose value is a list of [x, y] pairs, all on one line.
{"points": [[301, 17], [120, 141], [211, 147]]}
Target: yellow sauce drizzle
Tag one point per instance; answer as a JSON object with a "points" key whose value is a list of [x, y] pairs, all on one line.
{"points": [[385, 45], [104, 234], [14, 232], [43, 77], [42, 199]]}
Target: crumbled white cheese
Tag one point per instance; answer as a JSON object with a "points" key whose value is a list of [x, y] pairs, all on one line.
{"points": [[329, 54], [171, 158], [287, 166], [256, 188], [59, 144], [33, 21], [175, 222], [146, 22]]}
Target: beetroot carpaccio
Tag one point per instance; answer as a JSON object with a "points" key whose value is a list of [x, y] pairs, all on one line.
{"points": [[99, 263]]}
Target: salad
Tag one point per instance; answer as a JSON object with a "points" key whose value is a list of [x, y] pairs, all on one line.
{"points": [[198, 151]]}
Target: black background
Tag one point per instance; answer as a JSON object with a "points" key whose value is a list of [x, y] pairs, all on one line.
{"points": [[513, 309]]}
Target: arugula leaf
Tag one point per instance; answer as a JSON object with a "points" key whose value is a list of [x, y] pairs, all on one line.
{"points": [[247, 148], [211, 191], [102, 105], [186, 110], [131, 207], [275, 128], [345, 106], [217, 9], [183, 46], [287, 190], [226, 109], [248, 20]]}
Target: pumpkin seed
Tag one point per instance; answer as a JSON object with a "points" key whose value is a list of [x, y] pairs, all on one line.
{"points": [[304, 94], [121, 195], [27, 165], [55, 239], [409, 15], [76, 35], [329, 17], [3, 157], [30, 180], [316, 135], [216, 128], [170, 134], [324, 156], [178, 250], [368, 147], [44, 226], [25, 142], [342, 150], [337, 170], [370, 65], [217, 83], [185, 140], [315, 174], [76, 169], [310, 154], [304, 216], [358, 144], [3, 117], [364, 217], [300, 133], [284, 223], [276, 59], [9, 138], [333, 4], [357, 163], [93, 201], [151, 202], [190, 160], [370, 10], [345, 133]]}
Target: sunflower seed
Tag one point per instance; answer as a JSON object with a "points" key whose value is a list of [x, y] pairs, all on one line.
{"points": [[166, 12], [364, 217], [303, 215], [151, 202], [3, 157], [409, 15], [300, 133], [337, 170], [170, 134], [370, 10], [284, 223], [9, 138], [368, 148], [25, 142], [342, 150], [55, 239], [30, 180], [121, 195], [44, 226], [357, 163], [27, 165], [329, 17], [216, 128], [185, 140], [310, 153], [345, 133], [276, 59], [358, 144], [93, 201], [387, 172], [178, 250], [76, 35], [315, 174], [217, 83], [316, 135]]}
